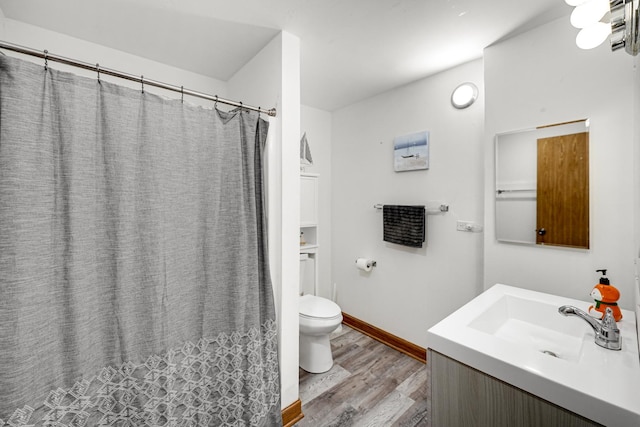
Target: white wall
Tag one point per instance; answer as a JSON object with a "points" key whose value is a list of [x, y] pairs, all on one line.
{"points": [[317, 124], [2, 26], [60, 44], [273, 75], [541, 77], [410, 289]]}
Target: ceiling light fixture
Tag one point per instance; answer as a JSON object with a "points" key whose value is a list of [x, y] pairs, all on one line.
{"points": [[599, 19], [464, 95], [589, 12]]}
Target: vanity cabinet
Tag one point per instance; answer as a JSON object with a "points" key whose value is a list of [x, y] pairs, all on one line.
{"points": [[463, 396]]}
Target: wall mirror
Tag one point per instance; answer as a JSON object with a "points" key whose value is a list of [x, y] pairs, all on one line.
{"points": [[542, 185]]}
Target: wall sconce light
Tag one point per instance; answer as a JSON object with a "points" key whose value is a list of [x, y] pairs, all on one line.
{"points": [[464, 95], [599, 19]]}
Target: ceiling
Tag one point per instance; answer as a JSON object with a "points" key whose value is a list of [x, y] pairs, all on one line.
{"points": [[350, 49]]}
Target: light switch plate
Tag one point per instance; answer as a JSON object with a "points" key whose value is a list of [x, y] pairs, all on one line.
{"points": [[468, 226]]}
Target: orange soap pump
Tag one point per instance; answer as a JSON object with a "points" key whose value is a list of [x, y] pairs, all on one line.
{"points": [[605, 296]]}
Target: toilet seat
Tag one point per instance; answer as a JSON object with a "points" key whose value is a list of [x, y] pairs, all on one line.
{"points": [[313, 307]]}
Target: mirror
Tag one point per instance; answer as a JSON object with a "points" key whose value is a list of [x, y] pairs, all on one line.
{"points": [[542, 185]]}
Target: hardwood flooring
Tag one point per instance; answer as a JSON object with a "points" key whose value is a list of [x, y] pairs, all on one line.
{"points": [[369, 385]]}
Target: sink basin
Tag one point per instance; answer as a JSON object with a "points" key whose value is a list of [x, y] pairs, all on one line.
{"points": [[534, 325], [518, 336]]}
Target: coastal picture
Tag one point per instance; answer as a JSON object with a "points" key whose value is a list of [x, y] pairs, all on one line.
{"points": [[411, 152]]}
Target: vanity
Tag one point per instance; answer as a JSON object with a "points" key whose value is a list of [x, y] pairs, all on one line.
{"points": [[508, 357]]}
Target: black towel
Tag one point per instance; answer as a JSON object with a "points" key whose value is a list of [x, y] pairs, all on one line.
{"points": [[404, 225]]}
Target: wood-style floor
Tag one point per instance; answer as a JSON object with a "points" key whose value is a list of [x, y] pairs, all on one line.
{"points": [[369, 385]]}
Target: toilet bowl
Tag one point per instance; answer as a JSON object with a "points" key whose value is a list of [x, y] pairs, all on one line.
{"points": [[318, 318]]}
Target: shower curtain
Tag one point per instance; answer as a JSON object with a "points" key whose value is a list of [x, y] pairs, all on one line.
{"points": [[134, 282]]}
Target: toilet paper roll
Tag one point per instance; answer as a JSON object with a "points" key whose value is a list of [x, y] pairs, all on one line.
{"points": [[364, 264]]}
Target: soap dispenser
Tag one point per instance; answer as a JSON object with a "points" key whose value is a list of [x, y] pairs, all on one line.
{"points": [[605, 295]]}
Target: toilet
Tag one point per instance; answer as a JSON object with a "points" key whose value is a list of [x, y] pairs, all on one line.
{"points": [[318, 318]]}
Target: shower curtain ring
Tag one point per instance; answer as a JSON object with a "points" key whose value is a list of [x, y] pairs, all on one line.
{"points": [[182, 94], [46, 60], [216, 104], [142, 81], [98, 71]]}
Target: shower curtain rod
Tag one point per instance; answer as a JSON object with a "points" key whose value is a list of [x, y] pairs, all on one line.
{"points": [[138, 79]]}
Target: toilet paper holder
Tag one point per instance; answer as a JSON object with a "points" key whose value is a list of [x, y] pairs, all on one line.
{"points": [[373, 263]]}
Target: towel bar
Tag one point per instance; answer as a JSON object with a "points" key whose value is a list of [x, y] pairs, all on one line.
{"points": [[441, 209]]}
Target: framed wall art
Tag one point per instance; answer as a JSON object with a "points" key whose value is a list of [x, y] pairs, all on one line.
{"points": [[411, 152]]}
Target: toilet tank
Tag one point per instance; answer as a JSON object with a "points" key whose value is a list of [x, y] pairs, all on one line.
{"points": [[307, 274]]}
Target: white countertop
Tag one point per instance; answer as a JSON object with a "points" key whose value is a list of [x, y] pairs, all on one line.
{"points": [[599, 384]]}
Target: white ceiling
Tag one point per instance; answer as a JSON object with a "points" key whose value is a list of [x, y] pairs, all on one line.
{"points": [[351, 49]]}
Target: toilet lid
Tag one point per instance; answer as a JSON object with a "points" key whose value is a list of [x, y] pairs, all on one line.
{"points": [[313, 306]]}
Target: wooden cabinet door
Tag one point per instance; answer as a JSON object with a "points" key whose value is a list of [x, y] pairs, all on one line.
{"points": [[563, 191]]}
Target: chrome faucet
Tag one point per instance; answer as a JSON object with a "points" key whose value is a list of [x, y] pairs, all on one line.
{"points": [[607, 332]]}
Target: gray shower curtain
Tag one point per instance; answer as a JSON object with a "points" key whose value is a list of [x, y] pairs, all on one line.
{"points": [[134, 282]]}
